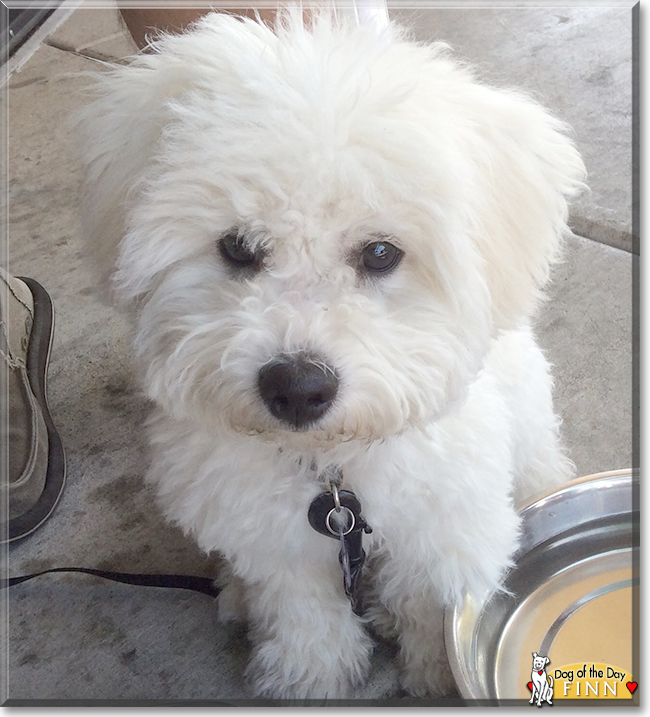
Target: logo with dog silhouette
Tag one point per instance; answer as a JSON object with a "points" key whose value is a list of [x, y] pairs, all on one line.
{"points": [[541, 684]]}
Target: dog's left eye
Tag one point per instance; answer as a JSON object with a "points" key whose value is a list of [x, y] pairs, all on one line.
{"points": [[236, 252], [380, 257]]}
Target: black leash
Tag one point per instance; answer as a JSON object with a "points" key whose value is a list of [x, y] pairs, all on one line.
{"points": [[335, 514], [182, 582]]}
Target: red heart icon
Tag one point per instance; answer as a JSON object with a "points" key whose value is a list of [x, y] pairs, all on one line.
{"points": [[631, 686], [530, 686], [539, 672]]}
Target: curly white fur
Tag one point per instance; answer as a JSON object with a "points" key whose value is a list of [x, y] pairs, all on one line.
{"points": [[312, 142]]}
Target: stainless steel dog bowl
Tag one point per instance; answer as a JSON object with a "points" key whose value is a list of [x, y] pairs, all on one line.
{"points": [[571, 594]]}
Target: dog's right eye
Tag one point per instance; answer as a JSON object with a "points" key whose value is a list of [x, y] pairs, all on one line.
{"points": [[237, 253], [380, 257]]}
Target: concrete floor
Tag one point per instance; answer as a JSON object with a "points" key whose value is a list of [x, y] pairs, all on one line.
{"points": [[72, 638]]}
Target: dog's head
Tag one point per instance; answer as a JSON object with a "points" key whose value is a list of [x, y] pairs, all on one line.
{"points": [[539, 661], [323, 229]]}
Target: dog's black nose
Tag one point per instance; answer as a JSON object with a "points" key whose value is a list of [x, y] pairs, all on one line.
{"points": [[297, 389]]}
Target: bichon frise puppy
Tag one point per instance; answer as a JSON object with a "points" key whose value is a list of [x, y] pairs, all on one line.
{"points": [[333, 240]]}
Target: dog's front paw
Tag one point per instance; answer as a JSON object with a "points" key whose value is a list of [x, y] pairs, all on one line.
{"points": [[309, 669]]}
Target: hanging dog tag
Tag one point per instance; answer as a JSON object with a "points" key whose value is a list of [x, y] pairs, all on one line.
{"points": [[338, 515]]}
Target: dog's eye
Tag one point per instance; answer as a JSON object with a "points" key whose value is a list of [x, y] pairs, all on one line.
{"points": [[380, 257], [235, 251]]}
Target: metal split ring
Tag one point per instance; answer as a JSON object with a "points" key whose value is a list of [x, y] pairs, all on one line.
{"points": [[328, 519]]}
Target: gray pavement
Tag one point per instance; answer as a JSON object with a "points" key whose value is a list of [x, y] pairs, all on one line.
{"points": [[78, 638]]}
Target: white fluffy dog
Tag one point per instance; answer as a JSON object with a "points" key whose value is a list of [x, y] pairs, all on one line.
{"points": [[334, 240]]}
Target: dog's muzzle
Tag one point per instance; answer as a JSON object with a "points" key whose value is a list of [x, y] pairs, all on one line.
{"points": [[298, 390]]}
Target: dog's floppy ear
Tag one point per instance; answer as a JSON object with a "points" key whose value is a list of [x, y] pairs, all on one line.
{"points": [[118, 134], [121, 129], [534, 655], [528, 169]]}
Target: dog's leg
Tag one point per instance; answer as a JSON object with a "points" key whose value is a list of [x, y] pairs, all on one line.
{"points": [[426, 671], [413, 615], [541, 694], [548, 692], [307, 641], [427, 564], [449, 528]]}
